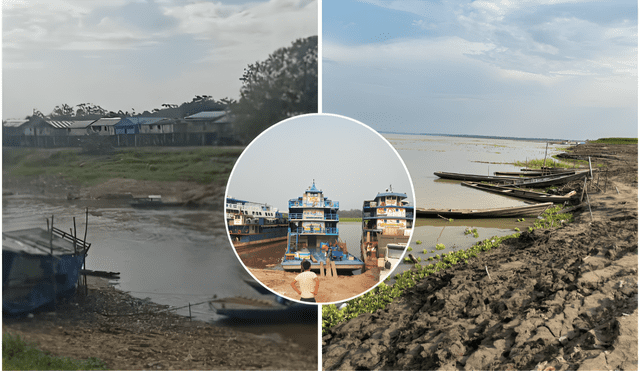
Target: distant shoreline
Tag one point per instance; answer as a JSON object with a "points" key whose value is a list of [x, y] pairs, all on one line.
{"points": [[486, 137]]}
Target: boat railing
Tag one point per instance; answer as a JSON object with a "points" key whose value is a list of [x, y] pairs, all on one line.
{"points": [[298, 203], [314, 230]]}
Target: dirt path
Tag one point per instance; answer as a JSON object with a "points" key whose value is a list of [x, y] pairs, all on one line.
{"points": [[551, 300], [129, 333], [332, 289]]}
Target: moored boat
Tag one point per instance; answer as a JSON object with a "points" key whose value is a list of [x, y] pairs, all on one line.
{"points": [[39, 267], [504, 212], [252, 223], [387, 223], [313, 234], [533, 182], [522, 193], [474, 177]]}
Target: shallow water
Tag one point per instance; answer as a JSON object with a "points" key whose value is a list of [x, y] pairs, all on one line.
{"points": [[157, 255]]}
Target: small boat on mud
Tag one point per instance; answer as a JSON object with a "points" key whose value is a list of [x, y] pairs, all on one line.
{"points": [[387, 223], [475, 178], [252, 223], [39, 267], [521, 193], [504, 212], [264, 311], [313, 234], [154, 202]]}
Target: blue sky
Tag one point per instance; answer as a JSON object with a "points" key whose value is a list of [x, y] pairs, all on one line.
{"points": [[545, 68], [138, 54], [350, 162]]}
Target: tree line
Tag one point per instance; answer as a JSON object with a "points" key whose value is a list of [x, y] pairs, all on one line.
{"points": [[283, 85]]}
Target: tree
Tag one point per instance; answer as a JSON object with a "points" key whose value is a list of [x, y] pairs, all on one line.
{"points": [[282, 86]]}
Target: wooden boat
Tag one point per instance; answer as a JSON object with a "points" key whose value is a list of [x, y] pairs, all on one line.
{"points": [[504, 212], [547, 181], [521, 193], [154, 202], [535, 182], [279, 310], [476, 178], [531, 173], [39, 267]]}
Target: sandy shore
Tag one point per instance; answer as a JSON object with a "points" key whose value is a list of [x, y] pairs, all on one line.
{"points": [[565, 299], [332, 289]]}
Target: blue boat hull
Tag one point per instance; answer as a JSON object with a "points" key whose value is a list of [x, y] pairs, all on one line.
{"points": [[31, 281], [348, 262]]}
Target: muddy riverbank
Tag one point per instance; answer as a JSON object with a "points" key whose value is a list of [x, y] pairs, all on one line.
{"points": [[550, 300], [129, 333]]}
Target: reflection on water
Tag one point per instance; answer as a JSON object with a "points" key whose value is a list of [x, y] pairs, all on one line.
{"points": [[161, 254]]}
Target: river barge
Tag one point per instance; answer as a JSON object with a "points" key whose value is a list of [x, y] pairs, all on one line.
{"points": [[313, 234], [251, 223], [387, 223]]}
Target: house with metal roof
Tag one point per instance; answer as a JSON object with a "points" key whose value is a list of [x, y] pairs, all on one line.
{"points": [[69, 127], [131, 125], [105, 126]]}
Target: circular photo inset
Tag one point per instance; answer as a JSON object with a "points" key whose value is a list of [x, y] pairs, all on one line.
{"points": [[319, 208]]}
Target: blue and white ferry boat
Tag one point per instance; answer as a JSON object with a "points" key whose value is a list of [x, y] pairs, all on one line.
{"points": [[387, 223], [313, 234], [252, 223]]}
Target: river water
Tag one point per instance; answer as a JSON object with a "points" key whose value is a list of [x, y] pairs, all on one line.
{"points": [[163, 256], [160, 255], [423, 155]]}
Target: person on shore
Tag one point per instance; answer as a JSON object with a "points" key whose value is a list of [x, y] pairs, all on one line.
{"points": [[308, 281]]}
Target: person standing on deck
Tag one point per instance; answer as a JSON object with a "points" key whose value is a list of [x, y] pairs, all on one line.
{"points": [[308, 281]]}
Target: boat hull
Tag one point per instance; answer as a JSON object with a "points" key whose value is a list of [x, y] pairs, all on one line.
{"points": [[518, 211], [521, 194], [33, 281], [348, 262]]}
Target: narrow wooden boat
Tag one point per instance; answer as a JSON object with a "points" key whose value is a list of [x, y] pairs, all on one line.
{"points": [[532, 173], [476, 178], [521, 193], [504, 212], [535, 182]]}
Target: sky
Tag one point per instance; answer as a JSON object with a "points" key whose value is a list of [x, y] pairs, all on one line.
{"points": [[349, 161], [530, 68], [135, 55]]}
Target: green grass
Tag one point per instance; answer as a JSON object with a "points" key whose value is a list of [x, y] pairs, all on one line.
{"points": [[551, 162], [383, 294], [616, 141], [351, 219], [202, 165], [18, 354]]}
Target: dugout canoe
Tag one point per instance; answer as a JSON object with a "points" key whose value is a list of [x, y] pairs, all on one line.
{"points": [[503, 212], [521, 193]]}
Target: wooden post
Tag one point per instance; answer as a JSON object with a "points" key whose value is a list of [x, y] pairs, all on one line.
{"points": [[321, 269], [544, 164], [334, 270], [189, 312]]}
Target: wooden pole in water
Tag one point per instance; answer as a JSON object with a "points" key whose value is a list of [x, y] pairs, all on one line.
{"points": [[544, 164]]}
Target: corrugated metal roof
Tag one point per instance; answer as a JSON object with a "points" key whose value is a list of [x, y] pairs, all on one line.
{"points": [[207, 115], [130, 121], [69, 124], [13, 123], [108, 121]]}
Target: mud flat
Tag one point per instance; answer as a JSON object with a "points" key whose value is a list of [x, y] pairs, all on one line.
{"points": [[332, 289], [129, 333], [564, 299]]}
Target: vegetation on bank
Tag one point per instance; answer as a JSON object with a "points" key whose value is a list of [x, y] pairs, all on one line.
{"points": [[616, 141], [359, 220], [17, 354], [552, 163], [202, 165], [383, 294]]}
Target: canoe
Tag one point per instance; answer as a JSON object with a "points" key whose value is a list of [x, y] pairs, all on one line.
{"points": [[521, 193], [535, 182], [531, 173], [264, 311], [475, 178], [549, 180], [504, 212]]}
